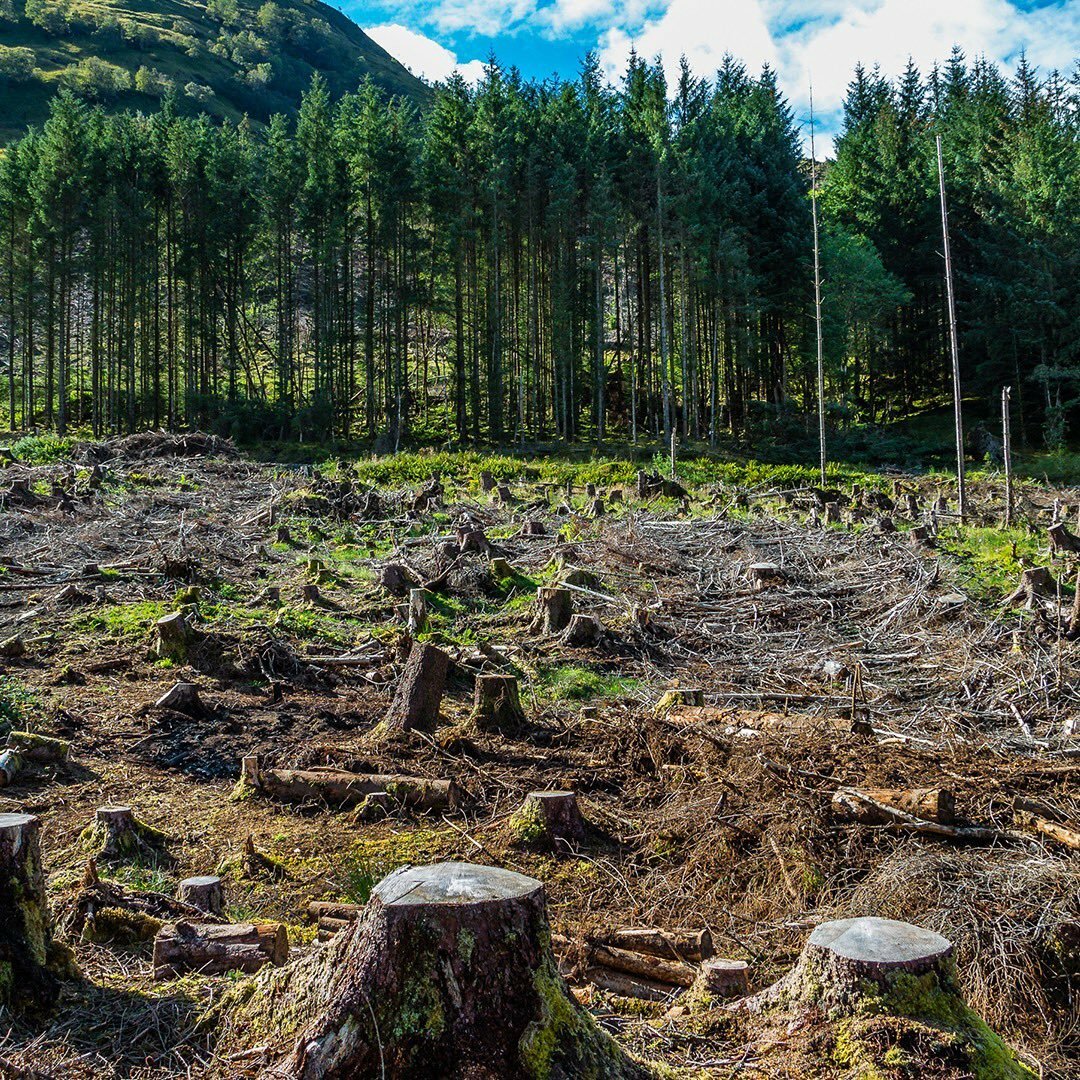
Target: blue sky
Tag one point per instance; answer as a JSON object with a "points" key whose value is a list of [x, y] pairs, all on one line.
{"points": [[805, 40]]}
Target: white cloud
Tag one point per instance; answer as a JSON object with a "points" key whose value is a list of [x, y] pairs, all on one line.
{"points": [[701, 30], [487, 17], [423, 56]]}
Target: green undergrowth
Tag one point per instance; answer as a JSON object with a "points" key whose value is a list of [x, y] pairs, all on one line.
{"points": [[574, 683], [356, 872], [988, 559], [17, 705]]}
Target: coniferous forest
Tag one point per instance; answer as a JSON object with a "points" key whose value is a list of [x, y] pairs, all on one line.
{"points": [[527, 261]]}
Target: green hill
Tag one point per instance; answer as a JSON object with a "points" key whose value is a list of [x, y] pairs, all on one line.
{"points": [[225, 57]]}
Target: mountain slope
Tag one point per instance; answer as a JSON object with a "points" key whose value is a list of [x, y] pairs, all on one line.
{"points": [[224, 57]]}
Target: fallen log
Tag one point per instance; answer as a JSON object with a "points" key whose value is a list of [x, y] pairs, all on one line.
{"points": [[688, 945], [211, 948], [1046, 820], [643, 965], [623, 985], [34, 747], [854, 805], [928, 804], [337, 787], [332, 909]]}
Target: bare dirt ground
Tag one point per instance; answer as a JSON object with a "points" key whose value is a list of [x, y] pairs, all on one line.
{"points": [[864, 665]]}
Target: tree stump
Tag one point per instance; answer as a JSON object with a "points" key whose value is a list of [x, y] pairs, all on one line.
{"points": [[175, 638], [548, 820], [182, 697], [504, 495], [419, 694], [765, 574], [911, 506], [27, 981], [487, 482], [832, 513], [497, 704], [1036, 583], [310, 593], [597, 509], [447, 973], [723, 978], [206, 893], [583, 631], [418, 611], [470, 539], [555, 607], [642, 484], [397, 579], [116, 833], [11, 764], [1062, 540], [533, 528]]}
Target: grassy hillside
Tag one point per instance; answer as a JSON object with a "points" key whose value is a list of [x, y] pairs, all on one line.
{"points": [[224, 57]]}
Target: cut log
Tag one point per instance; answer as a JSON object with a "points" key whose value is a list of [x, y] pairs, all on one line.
{"points": [[182, 697], [623, 985], [852, 805], [930, 804], [419, 694], [27, 979], [584, 631], [116, 833], [645, 965], [335, 787], [212, 948], [332, 909], [448, 973], [497, 704], [205, 893], [549, 820], [35, 747], [1048, 821], [723, 978], [554, 608], [692, 946]]}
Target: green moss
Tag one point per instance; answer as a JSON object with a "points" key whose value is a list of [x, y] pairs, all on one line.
{"points": [[526, 825]]}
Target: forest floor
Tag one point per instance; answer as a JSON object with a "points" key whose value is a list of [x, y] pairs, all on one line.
{"points": [[870, 662]]}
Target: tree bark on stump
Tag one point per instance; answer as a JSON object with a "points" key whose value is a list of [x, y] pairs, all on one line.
{"points": [[418, 611], [555, 606], [448, 973], [497, 704], [1036, 583], [26, 979], [205, 893], [175, 638], [182, 697], [419, 694], [549, 820]]}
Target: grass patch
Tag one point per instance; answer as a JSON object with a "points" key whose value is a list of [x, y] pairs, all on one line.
{"points": [[16, 703], [123, 620], [989, 558], [573, 683]]}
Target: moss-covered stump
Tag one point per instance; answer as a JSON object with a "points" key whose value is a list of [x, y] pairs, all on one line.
{"points": [[497, 705], [116, 834], [890, 989], [548, 820], [27, 977], [448, 972]]}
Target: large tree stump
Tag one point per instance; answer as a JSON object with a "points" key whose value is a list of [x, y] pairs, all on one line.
{"points": [[205, 893], [549, 820], [448, 973], [497, 704], [1036, 583], [398, 580], [554, 607], [419, 694], [27, 979], [182, 697]]}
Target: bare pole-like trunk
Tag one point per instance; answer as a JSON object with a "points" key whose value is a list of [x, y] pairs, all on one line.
{"points": [[1006, 449], [954, 341], [817, 295]]}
